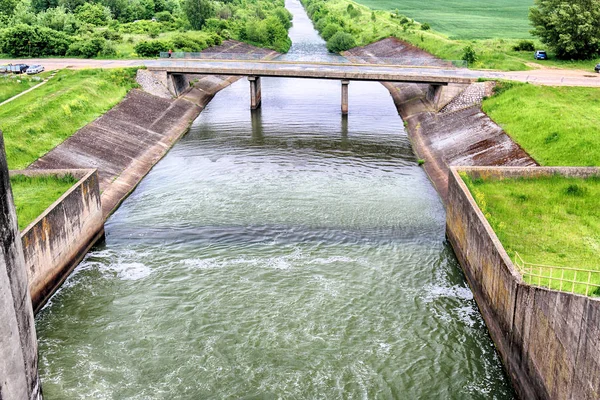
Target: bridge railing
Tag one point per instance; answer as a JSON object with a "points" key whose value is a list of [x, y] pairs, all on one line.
{"points": [[329, 59]]}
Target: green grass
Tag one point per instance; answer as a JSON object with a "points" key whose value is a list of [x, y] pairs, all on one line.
{"points": [[465, 19], [37, 122], [495, 53], [547, 220], [33, 195], [12, 85], [555, 125]]}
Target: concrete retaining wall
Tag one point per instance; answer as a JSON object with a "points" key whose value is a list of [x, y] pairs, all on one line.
{"points": [[58, 239], [19, 378], [549, 341]]}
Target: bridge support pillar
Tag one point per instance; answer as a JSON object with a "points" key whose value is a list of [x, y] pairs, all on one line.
{"points": [[255, 95], [434, 93], [345, 84]]}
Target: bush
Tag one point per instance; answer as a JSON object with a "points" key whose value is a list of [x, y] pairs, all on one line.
{"points": [[109, 34], [87, 47], [524, 45], [469, 55], [184, 42], [164, 16], [24, 40], [329, 31], [425, 26], [341, 41], [152, 48]]}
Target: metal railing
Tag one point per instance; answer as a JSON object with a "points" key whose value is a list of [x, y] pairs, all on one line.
{"points": [[328, 59], [564, 279]]}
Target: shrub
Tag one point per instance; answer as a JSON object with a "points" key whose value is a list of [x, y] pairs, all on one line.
{"points": [[524, 45], [24, 40], [164, 16], [109, 34], [341, 41], [469, 55], [152, 48], [425, 26], [87, 47], [329, 31], [183, 42]]}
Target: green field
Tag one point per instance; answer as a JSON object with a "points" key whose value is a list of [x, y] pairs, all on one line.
{"points": [[37, 122], [33, 195], [555, 125], [550, 220], [465, 19]]}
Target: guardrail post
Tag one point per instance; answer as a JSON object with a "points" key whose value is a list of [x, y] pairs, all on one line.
{"points": [[255, 94], [345, 84]]}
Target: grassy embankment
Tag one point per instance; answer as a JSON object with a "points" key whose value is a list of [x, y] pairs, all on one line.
{"points": [[12, 85], [551, 220], [555, 220], [557, 126], [38, 121], [464, 22], [33, 195]]}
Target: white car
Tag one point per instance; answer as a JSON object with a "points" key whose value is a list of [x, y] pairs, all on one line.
{"points": [[35, 69]]}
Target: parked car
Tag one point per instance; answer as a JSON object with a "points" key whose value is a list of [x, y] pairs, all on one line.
{"points": [[597, 68], [540, 55], [17, 68], [35, 69]]}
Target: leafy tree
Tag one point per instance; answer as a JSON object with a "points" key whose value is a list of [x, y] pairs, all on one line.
{"points": [[330, 30], [197, 12], [42, 5], [7, 8], [571, 28], [87, 47], [59, 19], [94, 14], [341, 41]]}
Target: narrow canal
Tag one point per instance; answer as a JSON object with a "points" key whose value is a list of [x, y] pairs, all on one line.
{"points": [[285, 253]]}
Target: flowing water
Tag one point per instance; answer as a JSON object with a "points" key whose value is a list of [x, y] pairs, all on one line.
{"points": [[284, 253]]}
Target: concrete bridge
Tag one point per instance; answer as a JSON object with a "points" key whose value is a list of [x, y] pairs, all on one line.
{"points": [[436, 78]]}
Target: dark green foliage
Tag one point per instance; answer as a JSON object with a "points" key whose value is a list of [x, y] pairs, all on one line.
{"points": [[24, 41], [353, 12], [41, 5], [152, 48], [7, 8], [425, 26], [571, 29], [197, 12], [469, 55], [524, 45], [341, 41]]}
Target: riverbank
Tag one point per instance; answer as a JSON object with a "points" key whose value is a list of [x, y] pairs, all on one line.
{"points": [[458, 132]]}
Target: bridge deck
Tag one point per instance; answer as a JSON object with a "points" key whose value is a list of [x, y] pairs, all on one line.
{"points": [[361, 72]]}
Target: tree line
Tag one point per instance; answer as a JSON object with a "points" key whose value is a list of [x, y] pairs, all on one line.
{"points": [[95, 28]]}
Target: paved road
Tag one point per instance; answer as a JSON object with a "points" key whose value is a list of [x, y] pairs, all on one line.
{"points": [[550, 76]]}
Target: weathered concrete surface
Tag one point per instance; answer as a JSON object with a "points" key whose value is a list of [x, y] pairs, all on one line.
{"points": [[127, 141], [459, 135], [549, 341], [19, 378], [287, 69], [58, 239]]}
